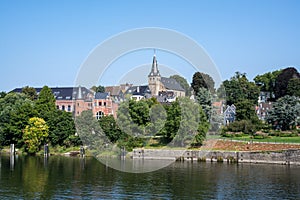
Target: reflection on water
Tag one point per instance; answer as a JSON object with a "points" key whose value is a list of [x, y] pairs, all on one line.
{"points": [[135, 165], [86, 178]]}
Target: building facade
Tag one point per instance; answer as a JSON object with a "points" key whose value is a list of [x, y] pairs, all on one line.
{"points": [[159, 85]]}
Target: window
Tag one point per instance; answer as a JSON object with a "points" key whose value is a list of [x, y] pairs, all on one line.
{"points": [[62, 107], [104, 103], [69, 108], [99, 115], [57, 107], [100, 103]]}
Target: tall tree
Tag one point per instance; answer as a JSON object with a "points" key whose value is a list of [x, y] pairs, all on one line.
{"points": [[2, 94], [293, 88], [110, 128], [193, 124], [61, 127], [30, 92], [204, 98], [45, 104], [35, 134], [238, 88], [285, 113], [282, 81], [246, 111], [266, 81], [202, 80], [15, 111], [184, 84]]}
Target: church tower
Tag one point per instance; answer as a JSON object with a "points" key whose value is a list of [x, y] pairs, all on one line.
{"points": [[154, 78]]}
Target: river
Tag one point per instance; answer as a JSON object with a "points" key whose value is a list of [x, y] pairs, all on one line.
{"points": [[28, 177]]}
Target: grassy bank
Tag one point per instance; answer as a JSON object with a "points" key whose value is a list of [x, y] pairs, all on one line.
{"points": [[271, 139]]}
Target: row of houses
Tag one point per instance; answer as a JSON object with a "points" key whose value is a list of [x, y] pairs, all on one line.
{"points": [[78, 99]]}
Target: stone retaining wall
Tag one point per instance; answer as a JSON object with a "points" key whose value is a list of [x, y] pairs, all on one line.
{"points": [[279, 157]]}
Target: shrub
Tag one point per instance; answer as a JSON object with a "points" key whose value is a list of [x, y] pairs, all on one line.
{"points": [[245, 126]]}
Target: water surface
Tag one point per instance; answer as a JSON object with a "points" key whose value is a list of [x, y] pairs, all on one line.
{"points": [[26, 177]]}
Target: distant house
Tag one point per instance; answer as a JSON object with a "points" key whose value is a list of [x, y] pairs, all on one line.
{"points": [[78, 99], [262, 110], [103, 105], [138, 92], [116, 93], [229, 114]]}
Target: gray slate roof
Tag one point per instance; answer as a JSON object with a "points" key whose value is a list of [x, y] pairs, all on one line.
{"points": [[101, 95], [171, 84], [64, 93]]}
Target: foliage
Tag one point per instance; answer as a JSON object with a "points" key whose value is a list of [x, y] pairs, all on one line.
{"points": [[99, 88], [30, 92], [267, 81], [245, 110], [2, 94], [61, 127], [243, 126], [45, 104], [285, 113], [16, 110], [282, 81], [204, 98], [90, 133], [184, 84], [110, 128], [193, 124], [202, 80], [293, 88], [238, 88], [35, 134]]}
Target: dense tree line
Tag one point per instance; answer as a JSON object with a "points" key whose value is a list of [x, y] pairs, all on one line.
{"points": [[282, 86], [23, 113]]}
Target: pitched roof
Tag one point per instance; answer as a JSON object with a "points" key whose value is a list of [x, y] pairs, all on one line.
{"points": [[138, 90], [101, 95], [154, 69], [64, 93], [171, 84], [113, 90]]}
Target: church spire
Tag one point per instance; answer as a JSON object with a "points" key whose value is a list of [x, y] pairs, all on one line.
{"points": [[154, 69]]}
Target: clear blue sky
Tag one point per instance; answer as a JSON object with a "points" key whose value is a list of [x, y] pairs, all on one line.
{"points": [[45, 42]]}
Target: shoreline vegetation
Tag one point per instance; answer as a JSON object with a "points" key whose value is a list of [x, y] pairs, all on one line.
{"points": [[30, 120]]}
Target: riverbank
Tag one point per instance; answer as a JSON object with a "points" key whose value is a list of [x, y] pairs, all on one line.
{"points": [[219, 150], [285, 157]]}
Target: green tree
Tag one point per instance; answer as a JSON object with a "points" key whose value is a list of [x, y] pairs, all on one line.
{"points": [[245, 110], [285, 113], [45, 104], [238, 88], [15, 111], [184, 84], [202, 80], [35, 134], [90, 133], [282, 81], [172, 123], [193, 124], [2, 94], [61, 128], [204, 98], [30, 92], [110, 128], [293, 88], [99, 88], [266, 81]]}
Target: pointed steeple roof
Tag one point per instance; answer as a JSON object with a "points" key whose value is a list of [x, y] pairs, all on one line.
{"points": [[154, 69]]}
